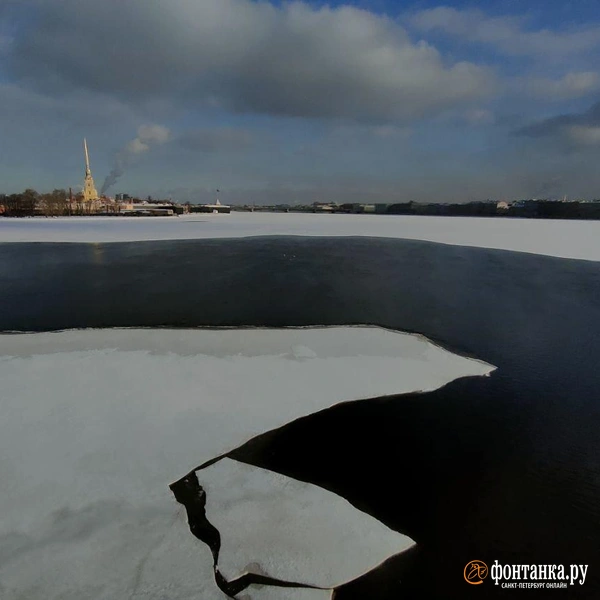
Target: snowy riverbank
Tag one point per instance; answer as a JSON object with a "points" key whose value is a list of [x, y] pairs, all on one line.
{"points": [[566, 239]]}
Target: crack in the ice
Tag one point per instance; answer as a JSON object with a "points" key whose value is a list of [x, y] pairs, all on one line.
{"points": [[192, 496]]}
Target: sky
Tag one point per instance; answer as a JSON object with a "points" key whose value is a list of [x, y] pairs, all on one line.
{"points": [[298, 102]]}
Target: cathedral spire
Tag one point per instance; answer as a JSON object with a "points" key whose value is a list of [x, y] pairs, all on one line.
{"points": [[87, 158], [89, 190]]}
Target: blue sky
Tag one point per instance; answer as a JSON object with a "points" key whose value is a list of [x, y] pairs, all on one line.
{"points": [[297, 102]]}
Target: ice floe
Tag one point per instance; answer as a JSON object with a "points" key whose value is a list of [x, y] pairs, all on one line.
{"points": [[95, 424]]}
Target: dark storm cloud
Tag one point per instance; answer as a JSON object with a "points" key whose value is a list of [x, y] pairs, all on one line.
{"points": [[551, 126], [576, 128], [243, 56]]}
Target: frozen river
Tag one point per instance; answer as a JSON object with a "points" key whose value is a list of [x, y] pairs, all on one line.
{"points": [[333, 429], [567, 239]]}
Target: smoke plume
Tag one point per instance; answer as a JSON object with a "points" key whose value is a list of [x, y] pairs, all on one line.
{"points": [[147, 137]]}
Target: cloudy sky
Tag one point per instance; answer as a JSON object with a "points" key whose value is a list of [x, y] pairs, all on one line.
{"points": [[270, 101]]}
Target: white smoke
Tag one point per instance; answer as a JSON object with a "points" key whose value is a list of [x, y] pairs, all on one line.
{"points": [[147, 137]]}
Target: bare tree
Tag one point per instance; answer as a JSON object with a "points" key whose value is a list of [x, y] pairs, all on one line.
{"points": [[21, 205]]}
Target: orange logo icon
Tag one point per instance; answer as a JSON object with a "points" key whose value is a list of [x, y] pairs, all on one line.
{"points": [[475, 572]]}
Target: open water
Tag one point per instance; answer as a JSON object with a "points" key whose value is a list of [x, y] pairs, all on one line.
{"points": [[501, 468]]}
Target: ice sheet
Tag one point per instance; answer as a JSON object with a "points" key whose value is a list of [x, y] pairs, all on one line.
{"points": [[94, 425], [271, 524], [567, 239]]}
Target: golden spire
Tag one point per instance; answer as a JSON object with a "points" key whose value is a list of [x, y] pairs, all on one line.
{"points": [[89, 190], [87, 158]]}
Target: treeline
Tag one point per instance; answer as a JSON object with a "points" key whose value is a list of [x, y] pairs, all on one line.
{"points": [[535, 209], [30, 203], [544, 209], [468, 209], [19, 205]]}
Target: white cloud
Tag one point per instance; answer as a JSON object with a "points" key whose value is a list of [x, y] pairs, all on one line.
{"points": [[572, 85], [153, 134], [508, 34], [246, 57]]}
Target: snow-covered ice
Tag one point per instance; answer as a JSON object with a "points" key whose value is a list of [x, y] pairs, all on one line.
{"points": [[567, 239], [94, 425], [291, 530]]}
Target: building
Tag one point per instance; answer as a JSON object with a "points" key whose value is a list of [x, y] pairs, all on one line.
{"points": [[215, 208], [323, 207], [147, 210]]}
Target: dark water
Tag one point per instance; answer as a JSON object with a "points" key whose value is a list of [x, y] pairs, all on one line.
{"points": [[505, 467]]}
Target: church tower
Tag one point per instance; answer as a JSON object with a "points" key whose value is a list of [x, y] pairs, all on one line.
{"points": [[89, 190]]}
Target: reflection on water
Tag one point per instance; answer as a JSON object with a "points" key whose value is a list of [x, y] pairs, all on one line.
{"points": [[97, 253]]}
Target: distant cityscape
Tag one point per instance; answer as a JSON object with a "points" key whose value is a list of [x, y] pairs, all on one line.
{"points": [[530, 208], [62, 203]]}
